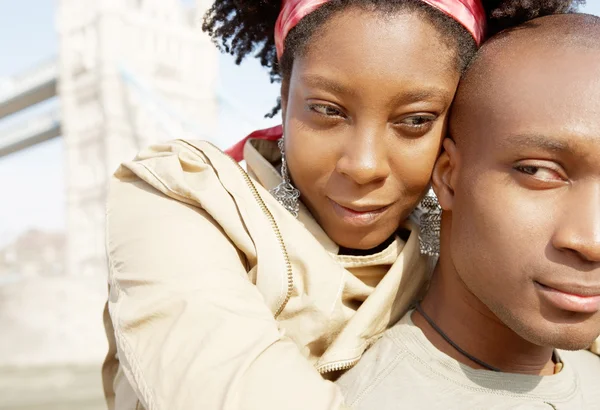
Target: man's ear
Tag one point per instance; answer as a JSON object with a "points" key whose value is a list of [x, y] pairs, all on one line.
{"points": [[444, 174]]}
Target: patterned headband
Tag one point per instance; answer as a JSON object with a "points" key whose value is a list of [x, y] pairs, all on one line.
{"points": [[469, 13]]}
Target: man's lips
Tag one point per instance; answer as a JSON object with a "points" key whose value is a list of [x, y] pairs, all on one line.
{"points": [[571, 297]]}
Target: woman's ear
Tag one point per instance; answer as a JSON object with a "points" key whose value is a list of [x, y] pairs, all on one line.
{"points": [[284, 94], [444, 174]]}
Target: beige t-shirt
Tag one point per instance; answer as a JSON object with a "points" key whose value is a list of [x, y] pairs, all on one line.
{"points": [[404, 370]]}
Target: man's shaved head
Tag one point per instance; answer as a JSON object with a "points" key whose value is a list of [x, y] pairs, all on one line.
{"points": [[519, 180], [533, 52]]}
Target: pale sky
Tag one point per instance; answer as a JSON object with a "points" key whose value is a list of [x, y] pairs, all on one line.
{"points": [[33, 180], [33, 188]]}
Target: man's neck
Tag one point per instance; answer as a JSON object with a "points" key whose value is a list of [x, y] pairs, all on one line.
{"points": [[475, 329]]}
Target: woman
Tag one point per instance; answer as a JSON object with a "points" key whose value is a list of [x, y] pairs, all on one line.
{"points": [[225, 296]]}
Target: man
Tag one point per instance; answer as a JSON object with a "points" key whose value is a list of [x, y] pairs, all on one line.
{"points": [[519, 269]]}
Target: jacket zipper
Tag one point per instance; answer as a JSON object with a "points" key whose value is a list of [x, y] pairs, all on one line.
{"points": [[274, 226], [337, 366]]}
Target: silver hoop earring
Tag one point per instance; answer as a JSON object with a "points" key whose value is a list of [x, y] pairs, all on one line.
{"points": [[285, 193], [430, 220]]}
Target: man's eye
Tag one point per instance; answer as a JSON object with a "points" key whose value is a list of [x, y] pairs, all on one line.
{"points": [[540, 172], [528, 169]]}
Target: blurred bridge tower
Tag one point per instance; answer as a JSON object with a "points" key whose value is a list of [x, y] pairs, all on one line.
{"points": [[122, 63]]}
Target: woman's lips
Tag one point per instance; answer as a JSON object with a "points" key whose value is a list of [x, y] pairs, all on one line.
{"points": [[358, 214], [563, 298]]}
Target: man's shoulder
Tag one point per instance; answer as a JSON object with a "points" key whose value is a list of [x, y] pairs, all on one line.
{"points": [[375, 362], [583, 362], [586, 366], [379, 363]]}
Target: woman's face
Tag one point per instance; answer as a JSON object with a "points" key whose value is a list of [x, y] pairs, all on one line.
{"points": [[364, 115]]}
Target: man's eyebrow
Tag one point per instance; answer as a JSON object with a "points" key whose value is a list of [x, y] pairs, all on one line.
{"points": [[540, 141]]}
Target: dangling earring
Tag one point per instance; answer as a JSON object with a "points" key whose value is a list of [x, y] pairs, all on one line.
{"points": [[285, 193], [430, 219]]}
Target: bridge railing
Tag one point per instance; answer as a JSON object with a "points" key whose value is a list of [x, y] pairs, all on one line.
{"points": [[33, 130], [28, 88]]}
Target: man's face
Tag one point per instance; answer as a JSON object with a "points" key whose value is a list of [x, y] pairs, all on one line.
{"points": [[525, 214]]}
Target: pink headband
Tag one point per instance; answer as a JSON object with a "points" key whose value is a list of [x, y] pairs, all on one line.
{"points": [[469, 13]]}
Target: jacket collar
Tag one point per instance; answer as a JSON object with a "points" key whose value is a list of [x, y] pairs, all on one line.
{"points": [[260, 155]]}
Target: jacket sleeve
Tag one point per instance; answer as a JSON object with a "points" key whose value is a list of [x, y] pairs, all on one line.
{"points": [[191, 329]]}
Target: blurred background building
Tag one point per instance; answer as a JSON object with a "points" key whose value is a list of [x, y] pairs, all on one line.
{"points": [[84, 85]]}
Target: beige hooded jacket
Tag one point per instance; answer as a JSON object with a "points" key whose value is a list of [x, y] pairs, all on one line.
{"points": [[220, 299]]}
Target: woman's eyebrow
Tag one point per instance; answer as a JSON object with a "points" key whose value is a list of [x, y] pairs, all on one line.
{"points": [[422, 94], [318, 81], [408, 96]]}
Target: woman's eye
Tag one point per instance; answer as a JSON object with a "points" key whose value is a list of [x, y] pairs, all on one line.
{"points": [[326, 110], [417, 121]]}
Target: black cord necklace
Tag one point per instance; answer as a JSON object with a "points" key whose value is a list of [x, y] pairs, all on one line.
{"points": [[451, 343]]}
